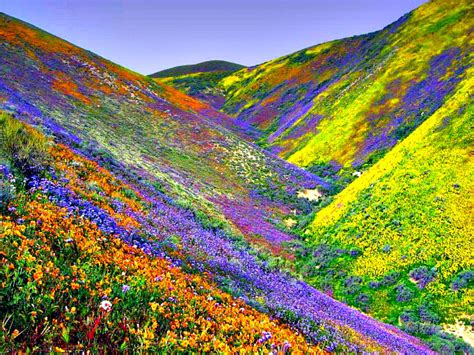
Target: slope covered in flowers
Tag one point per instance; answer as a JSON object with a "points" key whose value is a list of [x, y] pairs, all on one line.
{"points": [[155, 131], [153, 182], [397, 242], [92, 262], [340, 106], [68, 283]]}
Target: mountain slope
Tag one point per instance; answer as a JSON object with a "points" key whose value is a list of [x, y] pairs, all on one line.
{"points": [[405, 228], [392, 112], [152, 129], [89, 265], [178, 193], [344, 104], [204, 67]]}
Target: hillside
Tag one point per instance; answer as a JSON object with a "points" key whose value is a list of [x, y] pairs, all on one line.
{"points": [[397, 242], [386, 118], [340, 106], [89, 264], [130, 219], [152, 131], [204, 67], [206, 88]]}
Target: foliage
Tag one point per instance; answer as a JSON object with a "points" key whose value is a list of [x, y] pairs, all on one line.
{"points": [[86, 237], [7, 187], [26, 148]]}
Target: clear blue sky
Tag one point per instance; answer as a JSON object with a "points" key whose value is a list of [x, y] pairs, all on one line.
{"points": [[150, 35]]}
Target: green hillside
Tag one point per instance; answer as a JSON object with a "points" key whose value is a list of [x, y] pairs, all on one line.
{"points": [[199, 80], [397, 242]]}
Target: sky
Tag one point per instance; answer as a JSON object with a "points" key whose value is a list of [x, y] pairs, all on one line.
{"points": [[151, 35]]}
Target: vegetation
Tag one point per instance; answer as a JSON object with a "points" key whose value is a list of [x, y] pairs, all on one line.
{"points": [[27, 149], [399, 235], [69, 284], [150, 221]]}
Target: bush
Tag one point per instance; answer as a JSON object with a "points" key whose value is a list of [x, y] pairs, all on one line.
{"points": [[423, 276], [25, 147], [403, 293], [464, 279]]}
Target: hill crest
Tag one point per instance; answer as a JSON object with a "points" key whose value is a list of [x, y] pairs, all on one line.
{"points": [[203, 67]]}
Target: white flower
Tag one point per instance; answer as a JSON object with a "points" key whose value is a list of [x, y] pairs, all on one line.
{"points": [[106, 306]]}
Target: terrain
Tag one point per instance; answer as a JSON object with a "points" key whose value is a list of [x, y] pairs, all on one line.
{"points": [[290, 206], [386, 118], [127, 212], [342, 105]]}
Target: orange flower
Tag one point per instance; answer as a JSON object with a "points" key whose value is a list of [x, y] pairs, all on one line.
{"points": [[15, 334], [38, 275]]}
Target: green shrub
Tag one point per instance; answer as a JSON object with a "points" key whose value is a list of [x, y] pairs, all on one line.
{"points": [[24, 147]]}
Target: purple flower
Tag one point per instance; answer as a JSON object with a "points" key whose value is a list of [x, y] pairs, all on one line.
{"points": [[286, 347], [265, 337], [125, 288]]}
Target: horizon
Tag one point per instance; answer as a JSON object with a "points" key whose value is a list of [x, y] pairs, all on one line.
{"points": [[166, 33]]}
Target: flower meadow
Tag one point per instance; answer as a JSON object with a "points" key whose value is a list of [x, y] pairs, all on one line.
{"points": [[78, 239], [385, 118], [155, 131], [342, 105], [92, 291], [137, 218], [403, 230], [75, 274]]}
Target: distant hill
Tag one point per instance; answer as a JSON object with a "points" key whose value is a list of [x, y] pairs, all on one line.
{"points": [[204, 67]]}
